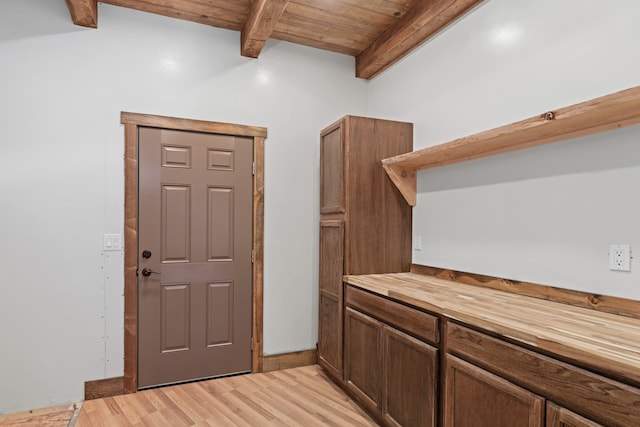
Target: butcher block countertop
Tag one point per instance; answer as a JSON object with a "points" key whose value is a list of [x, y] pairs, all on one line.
{"points": [[604, 341]]}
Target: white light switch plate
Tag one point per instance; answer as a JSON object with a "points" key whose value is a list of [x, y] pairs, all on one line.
{"points": [[112, 242]]}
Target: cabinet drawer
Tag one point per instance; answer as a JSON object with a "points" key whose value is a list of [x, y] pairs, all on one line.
{"points": [[410, 320], [597, 397]]}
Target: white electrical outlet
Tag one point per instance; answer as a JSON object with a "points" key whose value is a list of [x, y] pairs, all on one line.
{"points": [[620, 257]]}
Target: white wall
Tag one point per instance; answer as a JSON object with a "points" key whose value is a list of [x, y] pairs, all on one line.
{"points": [[547, 214], [62, 89]]}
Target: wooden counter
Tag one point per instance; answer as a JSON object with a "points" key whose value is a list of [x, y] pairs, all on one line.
{"points": [[606, 342]]}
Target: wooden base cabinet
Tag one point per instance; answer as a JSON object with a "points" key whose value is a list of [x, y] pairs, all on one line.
{"points": [[365, 225], [526, 381], [487, 378], [392, 374]]}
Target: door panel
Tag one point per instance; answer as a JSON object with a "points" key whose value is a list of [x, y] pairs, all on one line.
{"points": [[176, 223], [176, 157], [219, 313], [221, 159], [195, 195], [220, 223], [175, 314]]}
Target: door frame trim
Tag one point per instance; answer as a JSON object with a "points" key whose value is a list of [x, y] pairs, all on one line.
{"points": [[131, 122]]}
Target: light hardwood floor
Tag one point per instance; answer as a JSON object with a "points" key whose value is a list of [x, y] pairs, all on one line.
{"points": [[293, 397], [57, 416]]}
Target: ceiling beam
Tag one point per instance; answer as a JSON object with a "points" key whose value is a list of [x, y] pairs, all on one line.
{"points": [[84, 12], [263, 17], [419, 24]]}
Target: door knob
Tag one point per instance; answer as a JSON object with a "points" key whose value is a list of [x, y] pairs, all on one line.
{"points": [[146, 254], [146, 272]]}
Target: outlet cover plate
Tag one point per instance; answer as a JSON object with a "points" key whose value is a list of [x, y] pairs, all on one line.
{"points": [[620, 257]]}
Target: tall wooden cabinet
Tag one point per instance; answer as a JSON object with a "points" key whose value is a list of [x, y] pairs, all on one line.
{"points": [[365, 224]]}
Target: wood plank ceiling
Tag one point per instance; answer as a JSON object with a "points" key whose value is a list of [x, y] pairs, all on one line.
{"points": [[376, 32]]}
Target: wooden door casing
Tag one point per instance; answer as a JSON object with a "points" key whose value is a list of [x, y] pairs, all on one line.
{"points": [[132, 122], [410, 372], [195, 217], [474, 397]]}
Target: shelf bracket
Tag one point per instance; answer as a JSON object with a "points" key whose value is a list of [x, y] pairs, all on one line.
{"points": [[405, 180]]}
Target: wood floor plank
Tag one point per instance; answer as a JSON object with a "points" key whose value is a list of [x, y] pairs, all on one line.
{"points": [[154, 419], [223, 409], [173, 409], [57, 419], [223, 414], [54, 416], [191, 407], [143, 405], [314, 400], [283, 413], [294, 397], [321, 388], [304, 413]]}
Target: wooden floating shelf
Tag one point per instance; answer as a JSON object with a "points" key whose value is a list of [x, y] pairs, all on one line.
{"points": [[609, 112]]}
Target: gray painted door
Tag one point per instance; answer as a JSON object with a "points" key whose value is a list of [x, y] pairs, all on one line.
{"points": [[195, 198]]}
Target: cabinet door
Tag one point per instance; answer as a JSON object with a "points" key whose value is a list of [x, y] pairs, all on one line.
{"points": [[410, 378], [332, 170], [331, 297], [561, 417], [330, 335], [363, 359], [476, 398], [331, 256]]}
